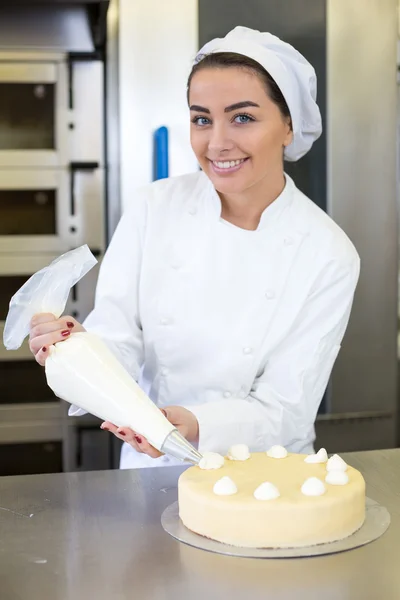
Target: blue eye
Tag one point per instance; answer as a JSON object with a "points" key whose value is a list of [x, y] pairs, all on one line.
{"points": [[242, 119], [201, 121]]}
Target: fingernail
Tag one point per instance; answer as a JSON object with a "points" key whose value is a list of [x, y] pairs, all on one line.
{"points": [[138, 439], [69, 324], [65, 333], [122, 433], [44, 349], [104, 427]]}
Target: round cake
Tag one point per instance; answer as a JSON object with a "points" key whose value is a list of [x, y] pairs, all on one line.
{"points": [[306, 511]]}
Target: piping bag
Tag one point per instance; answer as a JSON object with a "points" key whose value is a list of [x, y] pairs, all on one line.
{"points": [[82, 370]]}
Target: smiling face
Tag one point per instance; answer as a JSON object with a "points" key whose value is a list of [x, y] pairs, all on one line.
{"points": [[238, 133]]}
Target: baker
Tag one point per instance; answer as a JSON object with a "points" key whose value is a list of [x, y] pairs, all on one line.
{"points": [[226, 293]]}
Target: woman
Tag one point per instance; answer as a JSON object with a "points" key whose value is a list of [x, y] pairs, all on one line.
{"points": [[226, 293]]}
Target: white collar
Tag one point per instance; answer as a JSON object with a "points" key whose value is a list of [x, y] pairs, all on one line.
{"points": [[269, 216]]}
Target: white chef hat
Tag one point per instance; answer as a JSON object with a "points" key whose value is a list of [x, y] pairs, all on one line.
{"points": [[293, 74]]}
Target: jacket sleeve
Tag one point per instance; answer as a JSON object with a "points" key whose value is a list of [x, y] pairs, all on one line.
{"points": [[282, 405], [115, 317]]}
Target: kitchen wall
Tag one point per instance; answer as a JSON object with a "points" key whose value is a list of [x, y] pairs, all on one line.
{"points": [[157, 43]]}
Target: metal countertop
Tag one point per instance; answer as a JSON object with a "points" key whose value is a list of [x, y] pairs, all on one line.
{"points": [[97, 535]]}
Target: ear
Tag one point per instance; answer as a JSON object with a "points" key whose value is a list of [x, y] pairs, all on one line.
{"points": [[289, 134]]}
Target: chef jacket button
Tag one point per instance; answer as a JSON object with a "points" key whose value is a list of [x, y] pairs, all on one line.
{"points": [[247, 350], [270, 294], [227, 394], [165, 321], [288, 241], [192, 210], [165, 458], [164, 371], [242, 394]]}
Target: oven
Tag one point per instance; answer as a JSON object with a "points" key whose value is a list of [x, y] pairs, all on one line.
{"points": [[51, 152], [52, 199]]}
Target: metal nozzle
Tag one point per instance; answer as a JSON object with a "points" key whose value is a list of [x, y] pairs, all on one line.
{"points": [[178, 447]]}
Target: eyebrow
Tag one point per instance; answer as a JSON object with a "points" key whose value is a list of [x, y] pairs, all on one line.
{"points": [[244, 104]]}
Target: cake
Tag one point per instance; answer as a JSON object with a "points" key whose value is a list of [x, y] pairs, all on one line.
{"points": [[272, 500]]}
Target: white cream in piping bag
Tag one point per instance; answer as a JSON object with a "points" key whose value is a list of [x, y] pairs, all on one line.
{"points": [[83, 371]]}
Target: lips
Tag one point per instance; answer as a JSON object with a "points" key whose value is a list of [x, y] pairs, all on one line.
{"points": [[228, 164], [225, 167]]}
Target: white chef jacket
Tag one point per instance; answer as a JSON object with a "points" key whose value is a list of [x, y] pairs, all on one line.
{"points": [[240, 327]]}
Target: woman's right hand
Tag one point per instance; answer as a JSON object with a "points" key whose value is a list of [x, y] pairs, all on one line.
{"points": [[47, 330]]}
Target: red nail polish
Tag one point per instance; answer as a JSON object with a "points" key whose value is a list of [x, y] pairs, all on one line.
{"points": [[69, 324], [122, 433], [138, 439], [44, 349], [105, 429], [65, 333]]}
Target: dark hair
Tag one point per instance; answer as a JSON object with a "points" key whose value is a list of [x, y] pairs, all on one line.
{"points": [[231, 59]]}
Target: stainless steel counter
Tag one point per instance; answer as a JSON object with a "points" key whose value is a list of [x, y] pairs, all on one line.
{"points": [[97, 535]]}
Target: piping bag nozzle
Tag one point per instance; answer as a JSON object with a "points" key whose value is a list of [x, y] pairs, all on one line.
{"points": [[177, 446]]}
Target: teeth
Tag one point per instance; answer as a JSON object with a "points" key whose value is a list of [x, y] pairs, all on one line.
{"points": [[228, 164]]}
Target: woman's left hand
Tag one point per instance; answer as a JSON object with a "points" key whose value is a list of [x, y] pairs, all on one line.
{"points": [[183, 419]]}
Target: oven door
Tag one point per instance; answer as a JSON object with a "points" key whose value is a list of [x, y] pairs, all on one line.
{"points": [[50, 211], [32, 121], [34, 208], [51, 110], [30, 414]]}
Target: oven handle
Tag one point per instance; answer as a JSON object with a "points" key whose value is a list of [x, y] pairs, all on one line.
{"points": [[74, 167]]}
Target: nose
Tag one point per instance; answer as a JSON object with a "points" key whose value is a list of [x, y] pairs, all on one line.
{"points": [[219, 140]]}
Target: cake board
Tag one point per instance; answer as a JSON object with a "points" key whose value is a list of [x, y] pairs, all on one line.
{"points": [[377, 520]]}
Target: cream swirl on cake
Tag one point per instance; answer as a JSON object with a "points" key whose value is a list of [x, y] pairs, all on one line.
{"points": [[225, 487], [336, 463], [320, 457], [211, 460], [337, 478], [277, 452], [238, 452], [313, 487], [266, 491]]}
